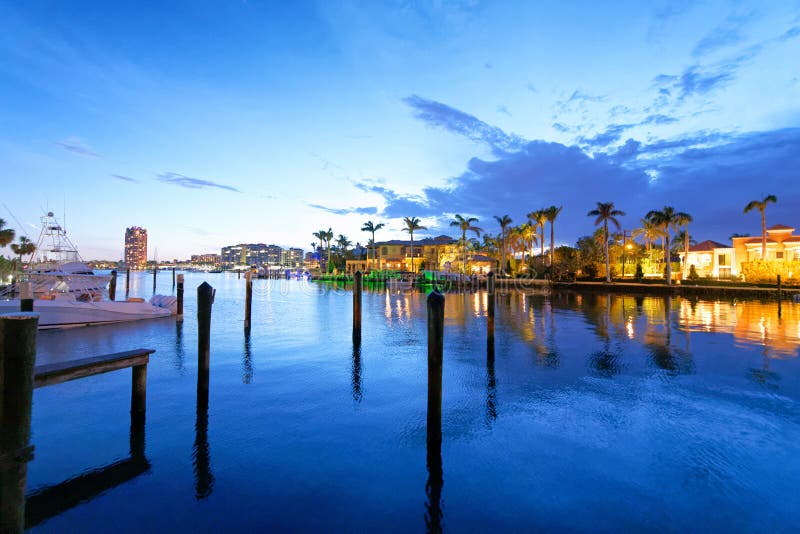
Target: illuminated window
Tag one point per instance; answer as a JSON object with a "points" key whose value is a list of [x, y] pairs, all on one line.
{"points": [[779, 255]]}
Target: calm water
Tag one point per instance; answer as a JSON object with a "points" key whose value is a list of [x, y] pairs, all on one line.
{"points": [[592, 413]]}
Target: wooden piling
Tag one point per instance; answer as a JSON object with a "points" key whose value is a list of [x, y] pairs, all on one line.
{"points": [[179, 293], [490, 290], [248, 297], [155, 273], [112, 286], [138, 392], [435, 352], [433, 487], [173, 277], [17, 357], [25, 297], [358, 282], [127, 282], [779, 296], [205, 300]]}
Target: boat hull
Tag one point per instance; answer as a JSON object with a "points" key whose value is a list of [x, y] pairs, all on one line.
{"points": [[69, 313]]}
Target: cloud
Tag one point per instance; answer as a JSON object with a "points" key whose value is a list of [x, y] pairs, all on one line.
{"points": [[791, 33], [560, 127], [125, 178], [695, 80], [709, 174], [347, 211], [611, 134], [504, 110], [76, 146], [659, 119], [192, 183], [729, 33], [443, 116]]}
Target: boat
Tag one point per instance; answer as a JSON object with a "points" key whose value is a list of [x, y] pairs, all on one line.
{"points": [[63, 311], [66, 292]]}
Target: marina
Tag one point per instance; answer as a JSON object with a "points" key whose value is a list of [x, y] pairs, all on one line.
{"points": [[582, 411]]}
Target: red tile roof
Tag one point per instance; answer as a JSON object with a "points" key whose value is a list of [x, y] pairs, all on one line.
{"points": [[779, 227], [707, 246], [758, 240]]}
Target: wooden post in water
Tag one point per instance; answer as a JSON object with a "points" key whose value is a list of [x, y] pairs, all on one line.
{"points": [[779, 296], [205, 299], [155, 273], [358, 280], [127, 281], [173, 277], [433, 487], [248, 298], [138, 393], [435, 352], [17, 357], [179, 293], [25, 297], [490, 307], [112, 286]]}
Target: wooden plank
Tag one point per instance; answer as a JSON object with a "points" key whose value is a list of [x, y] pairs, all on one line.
{"points": [[56, 373]]}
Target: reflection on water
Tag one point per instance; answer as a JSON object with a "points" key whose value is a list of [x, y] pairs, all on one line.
{"points": [[752, 323], [576, 385]]}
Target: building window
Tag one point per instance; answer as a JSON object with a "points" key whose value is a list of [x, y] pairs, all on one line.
{"points": [[779, 255], [797, 253], [384, 251], [722, 260]]}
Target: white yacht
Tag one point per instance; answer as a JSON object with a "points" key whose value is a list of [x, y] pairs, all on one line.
{"points": [[67, 293]]}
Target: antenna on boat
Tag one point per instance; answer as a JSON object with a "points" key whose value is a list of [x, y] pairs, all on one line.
{"points": [[19, 224]]}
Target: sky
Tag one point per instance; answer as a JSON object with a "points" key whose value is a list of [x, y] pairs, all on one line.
{"points": [[225, 122]]}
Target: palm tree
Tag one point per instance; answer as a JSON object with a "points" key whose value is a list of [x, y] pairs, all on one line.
{"points": [[25, 247], [649, 232], [668, 219], [371, 227], [328, 238], [465, 225], [550, 214], [605, 212], [321, 236], [6, 234], [686, 242], [412, 225], [343, 243], [760, 205], [504, 221], [539, 219]]}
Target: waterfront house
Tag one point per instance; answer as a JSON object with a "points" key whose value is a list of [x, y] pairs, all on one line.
{"points": [[712, 259]]}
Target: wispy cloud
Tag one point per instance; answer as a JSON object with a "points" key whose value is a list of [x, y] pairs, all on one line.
{"points": [[503, 110], [729, 33], [371, 210], [76, 146], [125, 178], [192, 183], [443, 116]]}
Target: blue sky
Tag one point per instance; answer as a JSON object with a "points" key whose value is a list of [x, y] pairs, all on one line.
{"points": [[214, 123]]}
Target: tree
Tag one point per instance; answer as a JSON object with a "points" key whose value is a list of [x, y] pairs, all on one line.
{"points": [[761, 206], [504, 221], [369, 226], [25, 247], [328, 238], [606, 212], [527, 234], [343, 243], [465, 225], [6, 234], [550, 214], [649, 232], [668, 219], [539, 219], [321, 236], [412, 225]]}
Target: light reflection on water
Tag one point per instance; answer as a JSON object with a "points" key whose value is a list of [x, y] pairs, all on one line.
{"points": [[583, 412]]}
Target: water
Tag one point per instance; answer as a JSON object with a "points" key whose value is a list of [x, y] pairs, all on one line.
{"points": [[591, 413]]}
